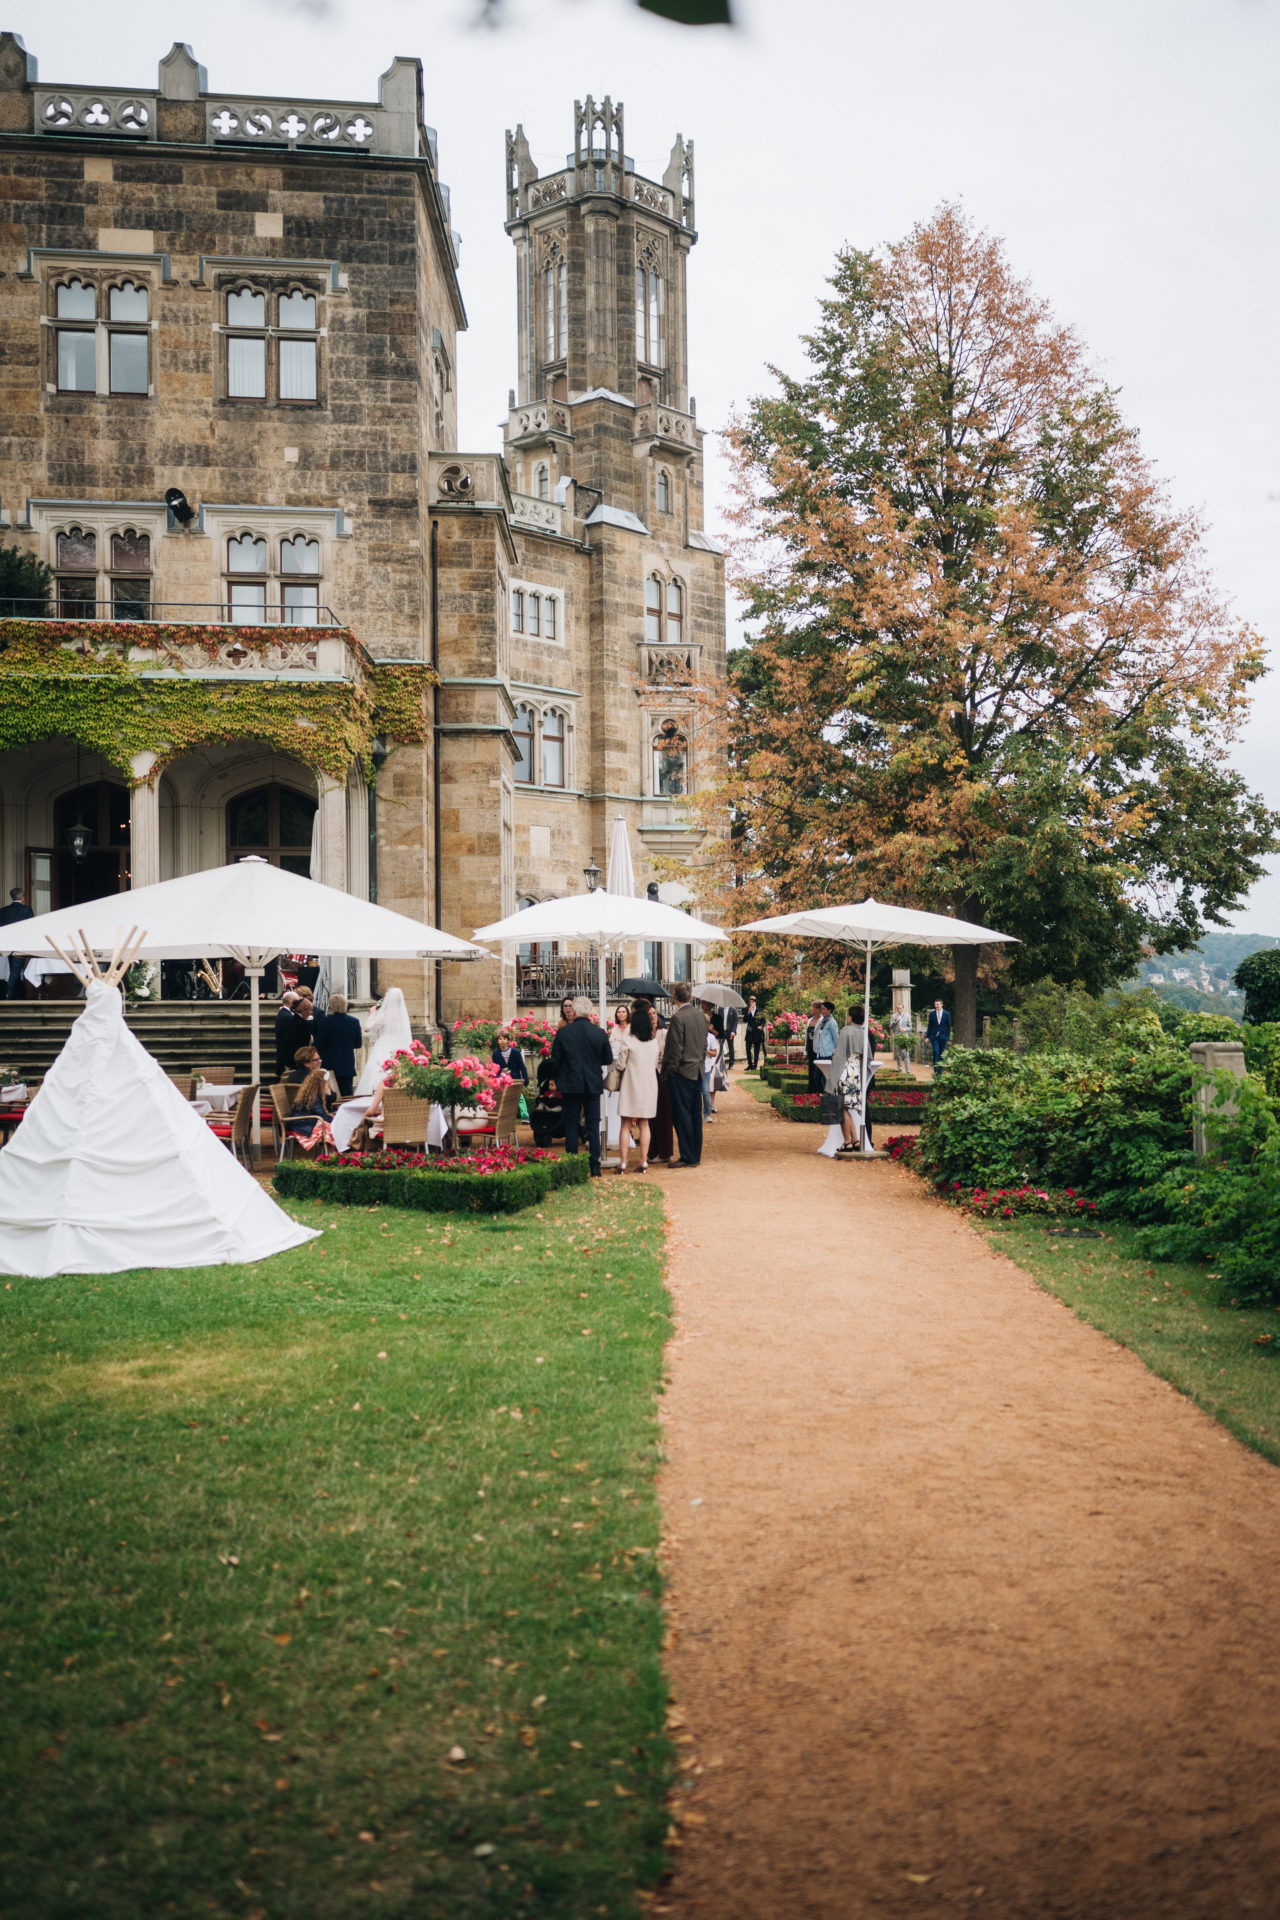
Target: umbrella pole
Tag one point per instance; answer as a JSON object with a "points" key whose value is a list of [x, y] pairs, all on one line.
{"points": [[255, 1059], [866, 1043], [604, 1097]]}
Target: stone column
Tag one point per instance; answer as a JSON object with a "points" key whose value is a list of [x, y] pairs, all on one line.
{"points": [[1211, 1057], [358, 868], [332, 838], [144, 821]]}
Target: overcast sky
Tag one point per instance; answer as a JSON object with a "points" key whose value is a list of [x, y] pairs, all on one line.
{"points": [[1124, 149]]}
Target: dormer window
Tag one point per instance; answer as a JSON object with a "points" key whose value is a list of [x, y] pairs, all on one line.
{"points": [[272, 345]]}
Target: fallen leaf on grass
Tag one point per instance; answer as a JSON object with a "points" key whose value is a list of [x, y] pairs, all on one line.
{"points": [[282, 1639], [919, 1879]]}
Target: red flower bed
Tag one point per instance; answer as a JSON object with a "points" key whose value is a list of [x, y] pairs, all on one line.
{"points": [[406, 1160]]}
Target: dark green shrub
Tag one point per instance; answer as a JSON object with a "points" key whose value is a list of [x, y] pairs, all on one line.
{"points": [[25, 583], [1259, 975], [1227, 1209], [429, 1192], [1207, 1026], [1109, 1127]]}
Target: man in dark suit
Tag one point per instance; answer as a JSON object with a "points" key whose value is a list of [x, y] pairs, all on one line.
{"points": [[753, 1021], [338, 1035], [292, 1032], [938, 1031], [730, 1035], [684, 1059], [16, 910], [580, 1057]]}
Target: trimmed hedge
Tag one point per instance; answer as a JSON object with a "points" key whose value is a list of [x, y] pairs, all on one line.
{"points": [[882, 1112], [430, 1192]]}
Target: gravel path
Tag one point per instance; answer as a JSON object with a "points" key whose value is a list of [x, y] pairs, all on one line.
{"points": [[972, 1614]]}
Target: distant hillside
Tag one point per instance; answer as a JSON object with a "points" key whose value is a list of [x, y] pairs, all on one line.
{"points": [[1201, 978], [1224, 951]]}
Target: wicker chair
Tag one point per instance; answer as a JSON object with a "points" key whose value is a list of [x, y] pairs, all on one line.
{"points": [[217, 1076], [404, 1119], [185, 1083], [237, 1132], [281, 1108]]}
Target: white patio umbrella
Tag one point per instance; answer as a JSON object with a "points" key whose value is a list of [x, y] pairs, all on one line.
{"points": [[603, 920], [871, 924], [251, 912], [621, 876]]}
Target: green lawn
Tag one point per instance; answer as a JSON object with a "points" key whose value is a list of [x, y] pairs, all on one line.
{"points": [[277, 1541], [1228, 1362]]}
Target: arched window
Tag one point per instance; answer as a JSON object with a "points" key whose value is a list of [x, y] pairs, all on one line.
{"points": [[670, 760], [247, 578], [297, 345], [76, 353], [247, 346], [274, 821], [555, 308], [562, 282], [653, 610], [675, 613], [130, 575], [517, 610], [549, 628], [76, 563], [522, 728], [553, 749], [542, 481], [534, 615], [650, 306], [128, 301], [664, 490], [300, 597]]}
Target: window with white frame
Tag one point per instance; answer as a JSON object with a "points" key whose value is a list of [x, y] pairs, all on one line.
{"points": [[537, 613], [553, 748], [653, 611], [522, 729], [675, 613], [271, 581], [272, 344], [104, 575], [101, 334]]}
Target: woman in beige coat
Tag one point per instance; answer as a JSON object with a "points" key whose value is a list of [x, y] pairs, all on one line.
{"points": [[638, 1094]]}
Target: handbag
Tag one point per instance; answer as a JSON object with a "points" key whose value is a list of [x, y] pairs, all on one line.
{"points": [[613, 1080], [720, 1078], [830, 1107]]}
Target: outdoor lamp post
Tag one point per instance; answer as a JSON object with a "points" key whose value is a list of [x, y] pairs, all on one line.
{"points": [[593, 876]]}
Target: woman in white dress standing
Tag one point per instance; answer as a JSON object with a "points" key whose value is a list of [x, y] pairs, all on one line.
{"points": [[386, 1032], [638, 1095]]}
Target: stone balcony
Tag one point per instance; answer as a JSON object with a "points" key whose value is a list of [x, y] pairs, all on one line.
{"points": [[193, 642]]}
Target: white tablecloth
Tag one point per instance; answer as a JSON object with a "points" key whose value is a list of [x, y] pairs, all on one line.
{"points": [[218, 1099], [37, 971]]}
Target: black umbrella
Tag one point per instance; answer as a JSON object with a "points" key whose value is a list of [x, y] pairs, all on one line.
{"points": [[643, 989]]}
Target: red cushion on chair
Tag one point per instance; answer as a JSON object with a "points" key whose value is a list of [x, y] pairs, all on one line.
{"points": [[222, 1128]]}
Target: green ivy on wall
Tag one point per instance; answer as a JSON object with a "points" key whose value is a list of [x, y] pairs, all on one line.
{"points": [[96, 691]]}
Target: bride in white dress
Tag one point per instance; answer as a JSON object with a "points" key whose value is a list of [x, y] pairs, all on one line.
{"points": [[386, 1032]]}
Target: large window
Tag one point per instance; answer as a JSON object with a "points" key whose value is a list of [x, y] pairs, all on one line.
{"points": [[650, 307], [273, 343], [555, 306], [102, 336], [675, 613], [664, 490], [274, 821], [523, 731], [553, 732], [105, 576], [269, 582], [653, 611], [537, 612]]}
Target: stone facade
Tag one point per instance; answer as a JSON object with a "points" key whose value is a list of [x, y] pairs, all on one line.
{"points": [[255, 302]]}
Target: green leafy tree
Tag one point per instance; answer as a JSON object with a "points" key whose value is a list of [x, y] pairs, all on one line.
{"points": [[25, 584], [1258, 975], [991, 674]]}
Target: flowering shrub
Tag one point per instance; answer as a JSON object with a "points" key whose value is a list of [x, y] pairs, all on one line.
{"points": [[464, 1081], [904, 1147], [1010, 1203], [531, 1033], [785, 1026], [475, 1036]]}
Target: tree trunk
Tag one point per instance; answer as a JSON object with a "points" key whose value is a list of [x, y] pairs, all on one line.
{"points": [[965, 1021]]}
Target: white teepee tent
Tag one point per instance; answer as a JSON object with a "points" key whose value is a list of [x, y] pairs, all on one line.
{"points": [[112, 1168]]}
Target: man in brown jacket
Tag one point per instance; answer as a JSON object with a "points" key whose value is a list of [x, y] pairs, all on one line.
{"points": [[683, 1061]]}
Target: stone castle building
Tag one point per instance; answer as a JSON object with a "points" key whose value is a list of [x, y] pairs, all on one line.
{"points": [[287, 615]]}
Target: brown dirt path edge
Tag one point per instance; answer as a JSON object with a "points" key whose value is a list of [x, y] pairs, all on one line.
{"points": [[975, 1614]]}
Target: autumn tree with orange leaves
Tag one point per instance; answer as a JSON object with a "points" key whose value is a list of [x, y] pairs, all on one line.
{"points": [[991, 675]]}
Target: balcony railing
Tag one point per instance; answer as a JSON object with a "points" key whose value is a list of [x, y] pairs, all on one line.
{"points": [[561, 975], [163, 613]]}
